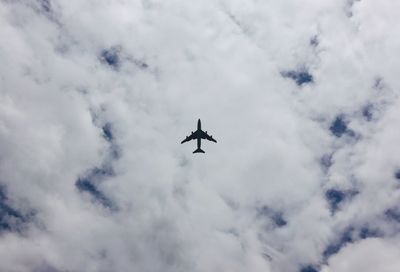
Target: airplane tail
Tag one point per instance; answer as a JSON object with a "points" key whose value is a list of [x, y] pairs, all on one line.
{"points": [[199, 150]]}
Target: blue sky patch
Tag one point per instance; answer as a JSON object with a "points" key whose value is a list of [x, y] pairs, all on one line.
{"points": [[338, 127], [366, 232], [334, 198], [107, 132], [367, 112], [335, 247], [108, 135], [393, 214], [88, 186], [397, 174], [111, 57], [350, 235], [308, 268], [10, 218], [89, 183], [301, 77]]}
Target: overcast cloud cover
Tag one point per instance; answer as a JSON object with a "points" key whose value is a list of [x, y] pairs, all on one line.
{"points": [[302, 96]]}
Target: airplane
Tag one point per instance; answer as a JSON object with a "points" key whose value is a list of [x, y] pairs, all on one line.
{"points": [[198, 134]]}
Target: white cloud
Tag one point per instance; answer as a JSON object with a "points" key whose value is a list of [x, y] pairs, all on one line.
{"points": [[221, 61], [368, 255]]}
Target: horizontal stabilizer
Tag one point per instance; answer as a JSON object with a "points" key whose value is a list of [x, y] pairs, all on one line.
{"points": [[198, 150]]}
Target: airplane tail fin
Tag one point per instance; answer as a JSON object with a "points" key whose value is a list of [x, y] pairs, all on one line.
{"points": [[198, 150]]}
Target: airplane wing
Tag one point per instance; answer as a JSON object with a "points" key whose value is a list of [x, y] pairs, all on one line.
{"points": [[207, 137], [189, 138]]}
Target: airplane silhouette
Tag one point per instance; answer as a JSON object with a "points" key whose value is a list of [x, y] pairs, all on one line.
{"points": [[199, 134]]}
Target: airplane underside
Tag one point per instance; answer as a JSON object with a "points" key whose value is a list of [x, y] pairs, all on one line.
{"points": [[199, 150], [199, 135]]}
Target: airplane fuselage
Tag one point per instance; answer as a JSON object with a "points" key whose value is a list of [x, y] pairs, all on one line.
{"points": [[198, 136]]}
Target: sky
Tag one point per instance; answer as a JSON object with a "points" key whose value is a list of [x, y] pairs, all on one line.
{"points": [[302, 97]]}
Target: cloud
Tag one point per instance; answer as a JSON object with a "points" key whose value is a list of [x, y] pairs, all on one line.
{"points": [[382, 255], [96, 96]]}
